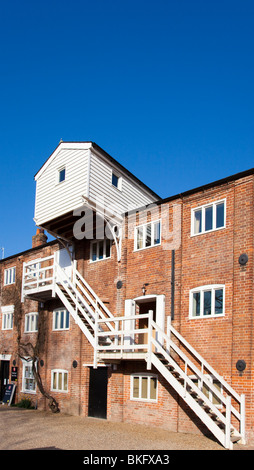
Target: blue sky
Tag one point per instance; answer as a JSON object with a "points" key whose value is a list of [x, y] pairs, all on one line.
{"points": [[165, 87]]}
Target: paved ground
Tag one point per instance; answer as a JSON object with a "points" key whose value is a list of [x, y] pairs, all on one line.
{"points": [[22, 429]]}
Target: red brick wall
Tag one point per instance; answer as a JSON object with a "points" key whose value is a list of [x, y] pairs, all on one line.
{"points": [[210, 258]]}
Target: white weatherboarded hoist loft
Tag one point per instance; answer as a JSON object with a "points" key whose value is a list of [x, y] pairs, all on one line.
{"points": [[82, 173]]}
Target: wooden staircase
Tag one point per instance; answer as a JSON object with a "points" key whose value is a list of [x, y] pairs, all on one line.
{"points": [[169, 353]]}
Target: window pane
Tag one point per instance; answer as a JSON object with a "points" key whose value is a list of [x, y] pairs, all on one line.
{"points": [[220, 215], [144, 387], [148, 235], [135, 387], [198, 221], [54, 380], [216, 400], [67, 321], [94, 251], [157, 234], [218, 301], [115, 180], [101, 250], [107, 248], [153, 387], [56, 320], [207, 302], [208, 218], [62, 175], [65, 381], [205, 390], [196, 304], [60, 380], [62, 319], [140, 238]]}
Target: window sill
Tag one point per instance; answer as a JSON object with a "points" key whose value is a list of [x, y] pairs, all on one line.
{"points": [[144, 400], [219, 315], [60, 329], [136, 250], [98, 260], [207, 231]]}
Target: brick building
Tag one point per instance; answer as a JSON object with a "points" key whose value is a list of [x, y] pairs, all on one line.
{"points": [[140, 308]]}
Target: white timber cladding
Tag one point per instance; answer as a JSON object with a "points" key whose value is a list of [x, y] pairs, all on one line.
{"points": [[88, 174], [129, 197], [54, 199]]}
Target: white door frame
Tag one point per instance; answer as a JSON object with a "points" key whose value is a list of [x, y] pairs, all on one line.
{"points": [[130, 309]]}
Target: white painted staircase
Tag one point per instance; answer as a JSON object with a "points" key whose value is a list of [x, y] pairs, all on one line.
{"points": [[217, 405]]}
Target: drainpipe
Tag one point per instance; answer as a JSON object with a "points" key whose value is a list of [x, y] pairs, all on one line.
{"points": [[172, 284]]}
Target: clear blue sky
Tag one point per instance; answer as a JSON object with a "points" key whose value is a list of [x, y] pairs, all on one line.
{"points": [[164, 86]]}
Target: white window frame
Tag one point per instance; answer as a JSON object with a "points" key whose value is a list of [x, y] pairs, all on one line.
{"points": [[141, 376], [59, 170], [7, 317], [31, 322], [58, 372], [97, 243], [119, 180], [10, 276], [203, 209], [202, 290], [144, 227], [28, 363], [59, 311]]}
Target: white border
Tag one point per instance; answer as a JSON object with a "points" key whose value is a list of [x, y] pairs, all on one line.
{"points": [[203, 207], [203, 289], [152, 222], [59, 371], [145, 375]]}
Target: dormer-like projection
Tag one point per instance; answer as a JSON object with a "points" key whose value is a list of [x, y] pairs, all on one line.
{"points": [[80, 175]]}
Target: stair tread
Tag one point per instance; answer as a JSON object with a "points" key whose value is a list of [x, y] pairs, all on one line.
{"points": [[235, 437]]}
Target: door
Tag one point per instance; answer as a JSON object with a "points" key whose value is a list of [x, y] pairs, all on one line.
{"points": [[4, 377], [64, 260], [145, 307], [97, 405], [155, 303]]}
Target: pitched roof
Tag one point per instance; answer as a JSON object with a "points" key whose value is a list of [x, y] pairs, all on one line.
{"points": [[86, 145]]}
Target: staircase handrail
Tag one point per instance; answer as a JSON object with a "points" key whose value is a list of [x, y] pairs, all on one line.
{"points": [[225, 400], [188, 381], [195, 369], [206, 365], [62, 276], [97, 298]]}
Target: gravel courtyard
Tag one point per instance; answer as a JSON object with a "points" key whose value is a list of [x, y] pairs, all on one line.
{"points": [[22, 429]]}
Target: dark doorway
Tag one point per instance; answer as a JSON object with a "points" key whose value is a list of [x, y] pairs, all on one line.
{"points": [[4, 377], [144, 307], [97, 406]]}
